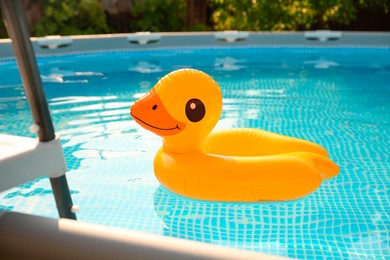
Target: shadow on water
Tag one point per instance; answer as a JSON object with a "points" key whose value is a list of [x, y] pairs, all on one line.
{"points": [[281, 228], [266, 227]]}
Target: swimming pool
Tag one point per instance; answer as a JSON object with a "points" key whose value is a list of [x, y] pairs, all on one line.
{"points": [[337, 97]]}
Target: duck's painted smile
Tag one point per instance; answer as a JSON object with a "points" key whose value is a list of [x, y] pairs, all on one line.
{"points": [[155, 117], [159, 128]]}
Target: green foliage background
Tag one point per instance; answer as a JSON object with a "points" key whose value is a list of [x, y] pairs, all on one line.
{"points": [[282, 15], [3, 33], [159, 16], [72, 17]]}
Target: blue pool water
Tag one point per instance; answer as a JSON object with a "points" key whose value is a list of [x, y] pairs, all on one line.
{"points": [[337, 97]]}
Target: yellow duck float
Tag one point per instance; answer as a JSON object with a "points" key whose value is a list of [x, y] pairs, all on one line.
{"points": [[235, 165]]}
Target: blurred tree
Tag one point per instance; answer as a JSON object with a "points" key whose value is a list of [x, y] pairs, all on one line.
{"points": [[374, 5], [371, 15], [281, 15], [3, 32], [118, 13], [157, 15], [198, 15], [66, 17], [70, 17]]}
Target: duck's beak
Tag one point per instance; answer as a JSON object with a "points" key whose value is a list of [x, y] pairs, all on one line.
{"points": [[150, 113]]}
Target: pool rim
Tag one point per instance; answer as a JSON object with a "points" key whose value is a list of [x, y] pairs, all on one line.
{"points": [[123, 42]]}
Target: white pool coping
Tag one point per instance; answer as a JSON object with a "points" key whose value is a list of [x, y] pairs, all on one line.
{"points": [[25, 236], [150, 41]]}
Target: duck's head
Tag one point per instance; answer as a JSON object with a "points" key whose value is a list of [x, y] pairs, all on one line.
{"points": [[183, 107]]}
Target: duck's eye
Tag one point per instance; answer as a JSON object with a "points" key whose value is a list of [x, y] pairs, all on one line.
{"points": [[195, 110]]}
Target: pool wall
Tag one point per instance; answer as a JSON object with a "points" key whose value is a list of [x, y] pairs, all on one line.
{"points": [[111, 42]]}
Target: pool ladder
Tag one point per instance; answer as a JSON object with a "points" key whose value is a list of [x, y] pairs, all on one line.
{"points": [[24, 159]]}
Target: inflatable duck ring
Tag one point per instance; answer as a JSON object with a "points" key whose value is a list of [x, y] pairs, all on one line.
{"points": [[241, 165]]}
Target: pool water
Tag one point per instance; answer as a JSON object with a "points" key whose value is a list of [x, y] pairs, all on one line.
{"points": [[337, 97]]}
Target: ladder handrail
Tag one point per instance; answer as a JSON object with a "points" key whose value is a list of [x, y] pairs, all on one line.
{"points": [[16, 24]]}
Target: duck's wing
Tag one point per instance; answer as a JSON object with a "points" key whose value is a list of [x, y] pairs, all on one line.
{"points": [[256, 142]]}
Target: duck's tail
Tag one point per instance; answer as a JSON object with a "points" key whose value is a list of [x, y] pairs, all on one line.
{"points": [[325, 166]]}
